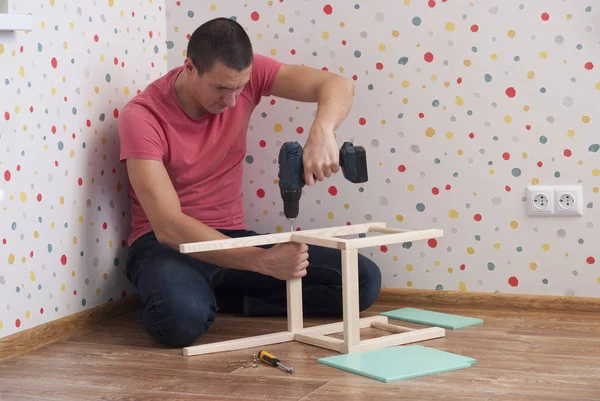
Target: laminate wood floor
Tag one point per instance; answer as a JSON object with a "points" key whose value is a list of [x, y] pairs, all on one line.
{"points": [[520, 355]]}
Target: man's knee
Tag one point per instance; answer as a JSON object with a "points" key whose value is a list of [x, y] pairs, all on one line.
{"points": [[178, 321], [369, 276]]}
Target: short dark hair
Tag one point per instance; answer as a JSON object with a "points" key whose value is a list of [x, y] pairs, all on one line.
{"points": [[220, 39]]}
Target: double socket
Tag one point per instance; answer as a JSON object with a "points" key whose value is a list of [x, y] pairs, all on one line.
{"points": [[559, 200]]}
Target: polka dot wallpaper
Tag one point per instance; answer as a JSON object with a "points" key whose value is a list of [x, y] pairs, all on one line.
{"points": [[64, 217], [460, 106]]}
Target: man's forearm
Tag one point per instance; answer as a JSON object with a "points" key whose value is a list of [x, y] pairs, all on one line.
{"points": [[183, 229], [334, 99]]}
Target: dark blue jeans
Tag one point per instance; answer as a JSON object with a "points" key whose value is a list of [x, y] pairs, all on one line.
{"points": [[181, 296]]}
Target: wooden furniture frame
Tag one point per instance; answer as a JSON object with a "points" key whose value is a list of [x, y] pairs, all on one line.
{"points": [[352, 323]]}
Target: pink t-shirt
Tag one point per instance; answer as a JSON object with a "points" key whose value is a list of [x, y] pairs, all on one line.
{"points": [[204, 157]]}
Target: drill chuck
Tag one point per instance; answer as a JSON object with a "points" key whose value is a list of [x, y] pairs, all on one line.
{"points": [[291, 202]]}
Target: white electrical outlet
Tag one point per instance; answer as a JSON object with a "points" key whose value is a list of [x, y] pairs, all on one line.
{"points": [[540, 200], [555, 200], [1, 195], [568, 200]]}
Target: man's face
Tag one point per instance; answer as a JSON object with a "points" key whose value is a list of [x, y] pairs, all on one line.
{"points": [[219, 88]]}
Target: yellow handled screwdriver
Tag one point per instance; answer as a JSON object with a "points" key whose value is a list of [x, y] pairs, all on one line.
{"points": [[270, 359]]}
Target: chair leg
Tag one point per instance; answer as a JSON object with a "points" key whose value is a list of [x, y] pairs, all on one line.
{"points": [[295, 314], [350, 299]]}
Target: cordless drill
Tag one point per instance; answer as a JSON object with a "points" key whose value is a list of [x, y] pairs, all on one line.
{"points": [[352, 160]]}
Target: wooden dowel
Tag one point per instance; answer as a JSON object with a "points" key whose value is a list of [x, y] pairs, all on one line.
{"points": [[387, 230]]}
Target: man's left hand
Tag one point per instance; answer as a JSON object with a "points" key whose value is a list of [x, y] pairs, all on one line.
{"points": [[320, 155]]}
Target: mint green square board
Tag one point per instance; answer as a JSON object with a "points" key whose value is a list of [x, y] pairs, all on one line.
{"points": [[398, 363], [437, 319]]}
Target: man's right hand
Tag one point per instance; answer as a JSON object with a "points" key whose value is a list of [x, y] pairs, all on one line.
{"points": [[284, 261]]}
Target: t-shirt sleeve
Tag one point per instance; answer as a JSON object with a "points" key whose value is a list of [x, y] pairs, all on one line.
{"points": [[139, 134], [264, 72]]}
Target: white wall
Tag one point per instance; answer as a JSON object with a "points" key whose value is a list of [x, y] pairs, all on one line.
{"points": [[480, 50], [546, 256], [57, 125]]}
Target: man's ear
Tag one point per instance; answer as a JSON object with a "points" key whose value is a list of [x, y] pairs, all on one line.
{"points": [[189, 66]]}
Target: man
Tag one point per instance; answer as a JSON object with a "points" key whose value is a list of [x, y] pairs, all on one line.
{"points": [[183, 140]]}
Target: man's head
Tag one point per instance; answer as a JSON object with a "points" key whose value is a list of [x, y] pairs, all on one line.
{"points": [[218, 63]]}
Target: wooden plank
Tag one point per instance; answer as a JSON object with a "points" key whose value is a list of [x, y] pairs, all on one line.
{"points": [[15, 22], [76, 323], [517, 302], [399, 339], [396, 238], [320, 240], [387, 230], [319, 340], [149, 377], [28, 388], [338, 327], [295, 314], [350, 299], [240, 343], [267, 239], [391, 327], [509, 366]]}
